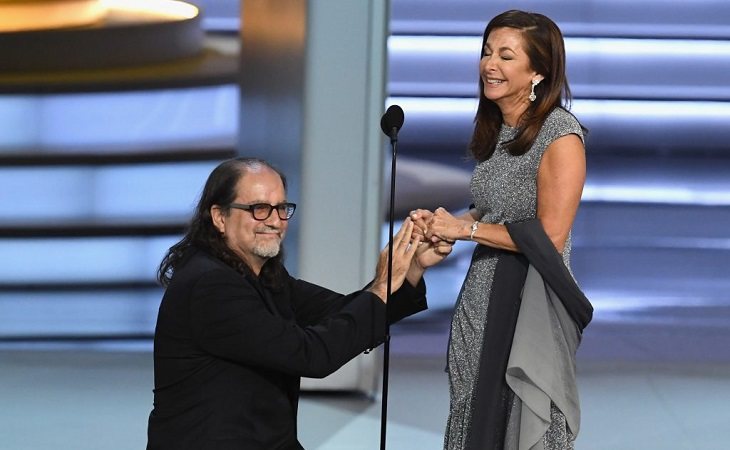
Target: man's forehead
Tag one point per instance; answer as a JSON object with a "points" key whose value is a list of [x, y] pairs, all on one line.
{"points": [[260, 182]]}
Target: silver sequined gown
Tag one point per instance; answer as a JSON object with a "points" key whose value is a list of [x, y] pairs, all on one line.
{"points": [[504, 189]]}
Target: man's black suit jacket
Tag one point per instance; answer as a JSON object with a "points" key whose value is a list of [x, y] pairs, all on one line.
{"points": [[229, 353]]}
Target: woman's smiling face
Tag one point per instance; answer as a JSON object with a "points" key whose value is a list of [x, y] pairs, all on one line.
{"points": [[505, 69]]}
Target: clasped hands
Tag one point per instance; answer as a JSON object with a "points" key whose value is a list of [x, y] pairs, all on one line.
{"points": [[412, 255], [439, 227]]}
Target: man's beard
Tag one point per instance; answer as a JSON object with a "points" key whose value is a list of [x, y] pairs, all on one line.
{"points": [[267, 249]]}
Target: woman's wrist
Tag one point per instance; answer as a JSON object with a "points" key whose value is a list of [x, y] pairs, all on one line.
{"points": [[473, 229]]}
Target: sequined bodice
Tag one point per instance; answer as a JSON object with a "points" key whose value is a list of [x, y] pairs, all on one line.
{"points": [[504, 187]]}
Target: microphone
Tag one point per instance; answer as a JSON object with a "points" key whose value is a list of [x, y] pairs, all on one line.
{"points": [[392, 121]]}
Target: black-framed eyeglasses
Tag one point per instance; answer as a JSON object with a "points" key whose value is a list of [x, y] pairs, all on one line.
{"points": [[262, 211]]}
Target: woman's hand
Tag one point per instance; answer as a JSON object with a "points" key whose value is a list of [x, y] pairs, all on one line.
{"points": [[445, 227]]}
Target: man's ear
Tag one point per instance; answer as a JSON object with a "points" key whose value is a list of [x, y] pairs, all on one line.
{"points": [[219, 219]]}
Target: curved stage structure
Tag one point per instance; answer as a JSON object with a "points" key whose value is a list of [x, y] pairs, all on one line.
{"points": [[82, 34]]}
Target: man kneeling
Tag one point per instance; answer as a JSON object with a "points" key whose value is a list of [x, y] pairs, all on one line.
{"points": [[235, 332]]}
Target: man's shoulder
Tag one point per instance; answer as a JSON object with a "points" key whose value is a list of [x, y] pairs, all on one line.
{"points": [[200, 263]]}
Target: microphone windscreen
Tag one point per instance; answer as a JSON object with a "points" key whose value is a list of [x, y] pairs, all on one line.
{"points": [[393, 118]]}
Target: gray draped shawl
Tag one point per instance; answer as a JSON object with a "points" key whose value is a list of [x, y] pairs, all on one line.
{"points": [[540, 314]]}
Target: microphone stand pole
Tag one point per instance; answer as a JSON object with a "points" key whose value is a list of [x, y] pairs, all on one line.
{"points": [[386, 345]]}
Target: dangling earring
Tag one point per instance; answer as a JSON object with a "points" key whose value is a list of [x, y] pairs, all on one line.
{"points": [[532, 96]]}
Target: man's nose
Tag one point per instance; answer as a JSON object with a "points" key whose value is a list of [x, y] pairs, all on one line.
{"points": [[273, 219]]}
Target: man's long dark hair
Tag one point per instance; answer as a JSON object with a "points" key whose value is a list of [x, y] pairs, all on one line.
{"points": [[546, 50], [201, 234]]}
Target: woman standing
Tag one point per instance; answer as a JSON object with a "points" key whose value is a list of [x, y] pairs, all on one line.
{"points": [[507, 392]]}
